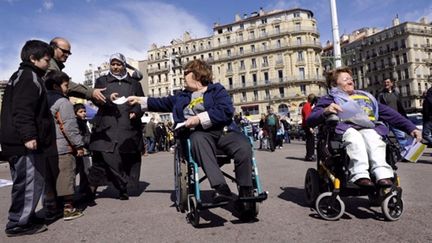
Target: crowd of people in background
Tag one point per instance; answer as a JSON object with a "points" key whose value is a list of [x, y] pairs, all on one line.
{"points": [[48, 140]]}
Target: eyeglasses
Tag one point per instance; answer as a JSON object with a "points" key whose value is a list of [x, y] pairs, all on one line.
{"points": [[65, 51], [187, 72], [346, 79]]}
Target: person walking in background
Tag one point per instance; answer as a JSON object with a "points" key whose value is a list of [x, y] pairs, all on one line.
{"points": [[271, 125], [390, 96], [27, 136], [309, 132], [287, 128], [427, 117], [149, 133], [69, 143], [116, 140]]}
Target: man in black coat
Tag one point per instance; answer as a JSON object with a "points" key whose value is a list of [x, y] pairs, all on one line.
{"points": [[27, 136], [427, 117]]}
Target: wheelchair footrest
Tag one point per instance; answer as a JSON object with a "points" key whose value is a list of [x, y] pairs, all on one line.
{"points": [[212, 205], [261, 197]]}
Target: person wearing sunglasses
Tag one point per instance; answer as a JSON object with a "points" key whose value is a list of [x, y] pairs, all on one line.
{"points": [[62, 51], [207, 111]]}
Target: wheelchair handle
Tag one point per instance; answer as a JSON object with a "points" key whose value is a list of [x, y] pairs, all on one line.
{"points": [[332, 119]]}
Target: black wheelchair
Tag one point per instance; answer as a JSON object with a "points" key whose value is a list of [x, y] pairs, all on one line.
{"points": [[188, 197], [325, 185]]}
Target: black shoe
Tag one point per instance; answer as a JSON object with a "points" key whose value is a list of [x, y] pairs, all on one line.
{"points": [[311, 158], [53, 215], [364, 182], [26, 230], [124, 195], [222, 194]]}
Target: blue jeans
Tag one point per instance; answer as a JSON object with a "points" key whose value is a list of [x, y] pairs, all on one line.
{"points": [[287, 137], [151, 144], [400, 137]]}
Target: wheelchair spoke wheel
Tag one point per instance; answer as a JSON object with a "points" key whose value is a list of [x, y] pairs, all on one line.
{"points": [[328, 208], [193, 215], [180, 180], [392, 207], [311, 186]]}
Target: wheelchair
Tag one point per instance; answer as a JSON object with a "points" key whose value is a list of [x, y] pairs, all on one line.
{"points": [[325, 185], [188, 196]]}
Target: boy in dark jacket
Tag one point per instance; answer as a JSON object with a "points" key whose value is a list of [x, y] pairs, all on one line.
{"points": [[27, 136]]}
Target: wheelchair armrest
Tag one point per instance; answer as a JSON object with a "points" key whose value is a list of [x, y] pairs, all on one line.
{"points": [[332, 120]]}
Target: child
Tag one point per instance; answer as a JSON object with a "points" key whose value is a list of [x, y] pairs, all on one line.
{"points": [[69, 140], [83, 163], [27, 136]]}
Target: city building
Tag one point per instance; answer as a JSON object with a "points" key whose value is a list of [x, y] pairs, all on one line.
{"points": [[265, 59], [3, 84], [402, 52]]}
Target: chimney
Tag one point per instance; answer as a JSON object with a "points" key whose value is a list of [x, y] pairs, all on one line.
{"points": [[261, 11], [396, 20], [424, 20], [237, 18], [245, 16]]}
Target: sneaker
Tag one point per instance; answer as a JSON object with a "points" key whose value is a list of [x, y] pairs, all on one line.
{"points": [[71, 214], [29, 229]]}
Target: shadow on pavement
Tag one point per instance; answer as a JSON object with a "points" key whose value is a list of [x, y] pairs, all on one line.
{"points": [[293, 194], [299, 158]]}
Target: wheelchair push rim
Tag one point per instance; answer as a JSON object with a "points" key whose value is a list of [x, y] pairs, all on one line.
{"points": [[180, 183]]}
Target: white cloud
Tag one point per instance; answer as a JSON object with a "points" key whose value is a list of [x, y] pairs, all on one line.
{"points": [[128, 27], [48, 4]]}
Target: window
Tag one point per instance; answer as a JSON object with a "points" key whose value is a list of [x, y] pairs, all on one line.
{"points": [[160, 92], [280, 75], [303, 89], [263, 32], [302, 73], [241, 50], [244, 99], [243, 81], [230, 83], [240, 37], [267, 94], [252, 110], [252, 48], [263, 21], [297, 26], [278, 44], [242, 65], [281, 92], [229, 67], [254, 79], [265, 61], [252, 34], [300, 56], [255, 95], [266, 77], [279, 59], [254, 65], [297, 15], [277, 29], [264, 46], [283, 109], [299, 41], [229, 52]]}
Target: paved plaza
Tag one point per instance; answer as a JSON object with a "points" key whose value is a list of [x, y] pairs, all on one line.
{"points": [[283, 217]]}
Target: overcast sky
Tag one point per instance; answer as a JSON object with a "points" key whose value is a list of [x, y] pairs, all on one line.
{"points": [[98, 28]]}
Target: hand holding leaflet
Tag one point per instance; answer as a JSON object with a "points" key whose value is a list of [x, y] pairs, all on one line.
{"points": [[120, 101], [179, 125]]}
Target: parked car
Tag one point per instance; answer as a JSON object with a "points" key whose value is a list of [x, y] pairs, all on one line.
{"points": [[417, 119]]}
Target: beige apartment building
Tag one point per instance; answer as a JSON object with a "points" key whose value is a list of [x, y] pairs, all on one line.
{"points": [[265, 59], [402, 52]]}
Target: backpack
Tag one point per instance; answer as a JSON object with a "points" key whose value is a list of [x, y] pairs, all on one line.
{"points": [[271, 120]]}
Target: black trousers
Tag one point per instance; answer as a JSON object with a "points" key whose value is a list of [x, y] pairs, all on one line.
{"points": [[310, 142], [28, 182], [108, 166], [234, 144], [272, 137]]}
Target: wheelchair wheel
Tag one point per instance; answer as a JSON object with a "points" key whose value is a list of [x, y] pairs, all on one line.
{"points": [[248, 210], [311, 186], [193, 215], [327, 209], [392, 207], [181, 186]]}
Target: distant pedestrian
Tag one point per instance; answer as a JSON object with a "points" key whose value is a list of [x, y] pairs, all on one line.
{"points": [[149, 133], [427, 117], [27, 136], [390, 96], [271, 125], [309, 132]]}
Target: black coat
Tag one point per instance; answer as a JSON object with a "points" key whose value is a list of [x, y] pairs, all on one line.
{"points": [[112, 128], [25, 114]]}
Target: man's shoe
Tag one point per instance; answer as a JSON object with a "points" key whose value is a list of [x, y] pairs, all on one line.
{"points": [[222, 194], [71, 214], [364, 182], [53, 215], [124, 196], [26, 230], [385, 182], [311, 158]]}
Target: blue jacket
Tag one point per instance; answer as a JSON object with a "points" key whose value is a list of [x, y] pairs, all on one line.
{"points": [[217, 103], [386, 114]]}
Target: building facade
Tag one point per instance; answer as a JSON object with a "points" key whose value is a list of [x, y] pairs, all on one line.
{"points": [[402, 52], [266, 59]]}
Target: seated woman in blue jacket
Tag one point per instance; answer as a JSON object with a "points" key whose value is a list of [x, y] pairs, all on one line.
{"points": [[206, 108], [361, 133]]}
